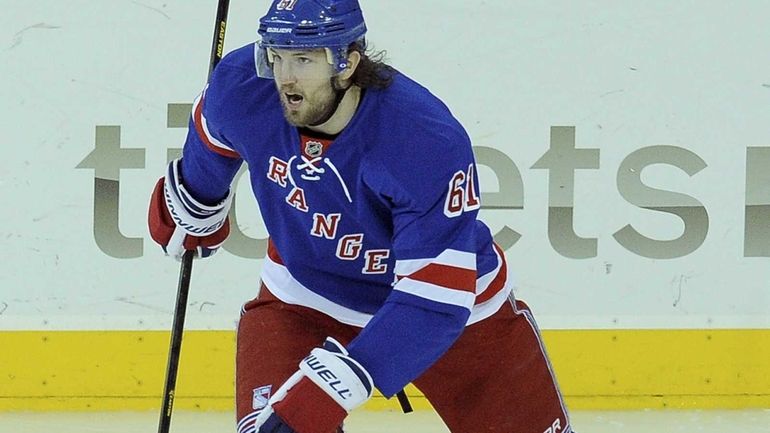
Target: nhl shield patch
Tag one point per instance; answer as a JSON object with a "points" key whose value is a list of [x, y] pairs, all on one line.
{"points": [[261, 396], [314, 148]]}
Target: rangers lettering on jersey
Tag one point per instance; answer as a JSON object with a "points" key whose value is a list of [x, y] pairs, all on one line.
{"points": [[325, 225], [296, 199], [349, 246], [278, 171], [374, 261]]}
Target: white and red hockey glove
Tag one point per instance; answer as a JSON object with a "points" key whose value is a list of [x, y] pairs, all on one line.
{"points": [[318, 397], [179, 222]]}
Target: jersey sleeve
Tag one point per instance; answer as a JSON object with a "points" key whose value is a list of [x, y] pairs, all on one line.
{"points": [[434, 243], [209, 160]]}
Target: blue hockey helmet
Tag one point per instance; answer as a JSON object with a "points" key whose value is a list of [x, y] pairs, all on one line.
{"points": [[295, 24]]}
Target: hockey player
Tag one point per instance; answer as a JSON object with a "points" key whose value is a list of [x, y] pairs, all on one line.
{"points": [[378, 272]]}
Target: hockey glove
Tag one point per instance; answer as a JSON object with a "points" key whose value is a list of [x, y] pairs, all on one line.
{"points": [[318, 397], [178, 222]]}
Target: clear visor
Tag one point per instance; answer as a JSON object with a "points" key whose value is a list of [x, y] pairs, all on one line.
{"points": [[295, 64]]}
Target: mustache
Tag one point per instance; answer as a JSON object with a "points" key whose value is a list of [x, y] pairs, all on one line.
{"points": [[289, 88]]}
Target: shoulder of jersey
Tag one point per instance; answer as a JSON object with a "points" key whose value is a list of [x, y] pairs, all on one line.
{"points": [[416, 146], [234, 85], [416, 124]]}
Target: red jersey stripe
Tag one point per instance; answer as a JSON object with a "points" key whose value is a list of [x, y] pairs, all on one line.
{"points": [[198, 122], [446, 276]]}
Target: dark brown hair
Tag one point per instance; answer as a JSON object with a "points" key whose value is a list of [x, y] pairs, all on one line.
{"points": [[372, 71]]}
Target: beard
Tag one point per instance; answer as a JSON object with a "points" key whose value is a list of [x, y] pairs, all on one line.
{"points": [[315, 108]]}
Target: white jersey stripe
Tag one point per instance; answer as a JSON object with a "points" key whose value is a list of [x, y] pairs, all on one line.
{"points": [[283, 285], [448, 257], [436, 293]]}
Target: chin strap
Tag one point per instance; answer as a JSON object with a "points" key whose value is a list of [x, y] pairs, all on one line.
{"points": [[339, 94]]}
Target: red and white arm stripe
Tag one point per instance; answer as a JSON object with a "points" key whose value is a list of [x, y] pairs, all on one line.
{"points": [[449, 278], [482, 284], [436, 293], [201, 126], [492, 290], [455, 270], [490, 284]]}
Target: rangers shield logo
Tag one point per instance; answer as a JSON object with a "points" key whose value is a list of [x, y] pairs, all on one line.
{"points": [[261, 396]]}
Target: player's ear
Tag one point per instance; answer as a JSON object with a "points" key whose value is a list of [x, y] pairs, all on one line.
{"points": [[354, 59]]}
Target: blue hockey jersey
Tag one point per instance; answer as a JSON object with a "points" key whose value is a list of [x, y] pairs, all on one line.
{"points": [[376, 227]]}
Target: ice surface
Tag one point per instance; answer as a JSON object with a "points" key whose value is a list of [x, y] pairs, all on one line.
{"points": [[671, 421]]}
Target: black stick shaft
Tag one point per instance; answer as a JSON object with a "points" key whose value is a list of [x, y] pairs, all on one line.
{"points": [[185, 272], [218, 42], [406, 406], [176, 342]]}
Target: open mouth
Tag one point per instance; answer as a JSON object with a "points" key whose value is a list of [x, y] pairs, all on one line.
{"points": [[294, 99]]}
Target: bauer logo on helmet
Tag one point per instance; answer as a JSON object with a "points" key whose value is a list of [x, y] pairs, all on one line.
{"points": [[278, 30]]}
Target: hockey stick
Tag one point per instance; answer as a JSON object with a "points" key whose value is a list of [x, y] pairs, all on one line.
{"points": [[403, 400], [185, 271]]}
